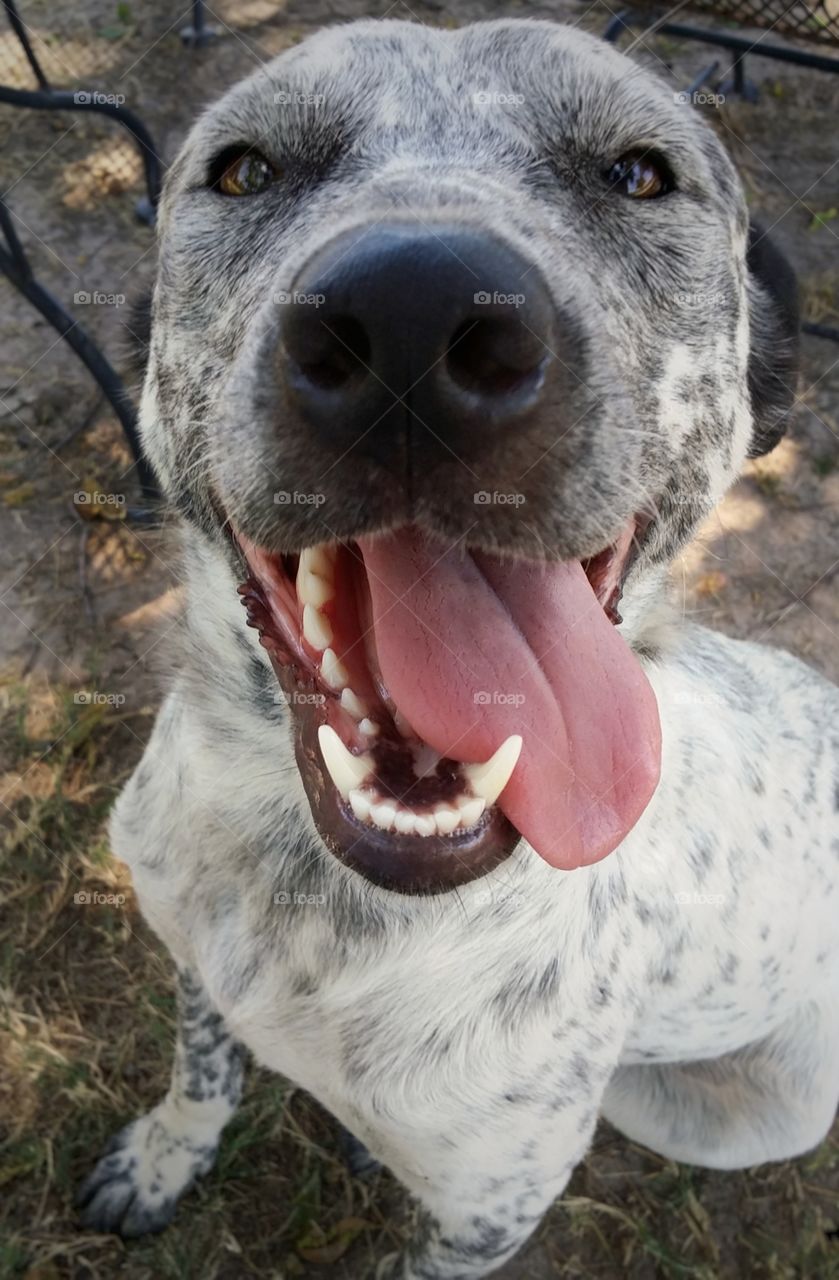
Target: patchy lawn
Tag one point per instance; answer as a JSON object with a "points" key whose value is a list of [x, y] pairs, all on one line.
{"points": [[86, 1006]]}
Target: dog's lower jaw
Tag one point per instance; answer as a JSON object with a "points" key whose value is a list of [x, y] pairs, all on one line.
{"points": [[422, 865]]}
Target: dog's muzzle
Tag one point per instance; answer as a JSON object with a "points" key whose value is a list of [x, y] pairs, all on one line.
{"points": [[446, 697]]}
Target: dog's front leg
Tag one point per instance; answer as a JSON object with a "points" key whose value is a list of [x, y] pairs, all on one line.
{"points": [[486, 1183], [150, 1163]]}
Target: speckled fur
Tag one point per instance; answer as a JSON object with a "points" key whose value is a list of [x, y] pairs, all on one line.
{"points": [[686, 986]]}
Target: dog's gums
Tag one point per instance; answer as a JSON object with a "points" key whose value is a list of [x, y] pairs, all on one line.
{"points": [[321, 617]]}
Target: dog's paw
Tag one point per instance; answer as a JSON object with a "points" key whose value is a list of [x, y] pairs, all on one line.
{"points": [[144, 1171]]}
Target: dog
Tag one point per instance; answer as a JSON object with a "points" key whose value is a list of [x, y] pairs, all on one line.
{"points": [[456, 337]]}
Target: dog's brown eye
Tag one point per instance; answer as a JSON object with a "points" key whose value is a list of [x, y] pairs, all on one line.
{"points": [[641, 177], [244, 174]]}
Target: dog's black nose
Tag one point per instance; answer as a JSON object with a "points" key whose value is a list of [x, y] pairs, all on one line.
{"points": [[434, 329]]}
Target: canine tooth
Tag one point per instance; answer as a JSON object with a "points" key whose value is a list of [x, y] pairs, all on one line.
{"points": [[425, 824], [333, 670], [346, 770], [404, 821], [369, 727], [317, 630], [351, 702], [319, 560], [470, 810], [489, 780], [360, 805], [446, 819], [313, 589], [384, 814]]}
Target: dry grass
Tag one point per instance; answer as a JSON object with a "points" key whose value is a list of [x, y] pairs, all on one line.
{"points": [[86, 1037]]}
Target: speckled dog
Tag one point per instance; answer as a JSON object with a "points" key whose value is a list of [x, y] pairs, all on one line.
{"points": [[456, 337]]}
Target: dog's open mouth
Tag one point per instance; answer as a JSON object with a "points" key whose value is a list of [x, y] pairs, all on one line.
{"points": [[447, 701]]}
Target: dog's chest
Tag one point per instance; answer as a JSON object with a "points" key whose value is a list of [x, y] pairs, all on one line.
{"points": [[693, 939], [351, 1004]]}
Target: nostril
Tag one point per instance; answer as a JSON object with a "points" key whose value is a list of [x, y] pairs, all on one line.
{"points": [[494, 356], [329, 353]]}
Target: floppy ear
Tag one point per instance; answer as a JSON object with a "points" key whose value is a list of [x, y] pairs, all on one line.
{"points": [[136, 334], [773, 355]]}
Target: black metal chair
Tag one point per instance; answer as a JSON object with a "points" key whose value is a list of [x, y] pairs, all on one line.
{"points": [[14, 262]]}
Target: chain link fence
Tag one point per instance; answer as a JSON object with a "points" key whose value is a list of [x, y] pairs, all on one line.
{"points": [[807, 19]]}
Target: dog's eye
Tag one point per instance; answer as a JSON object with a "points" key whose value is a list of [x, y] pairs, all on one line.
{"points": [[640, 176], [242, 173]]}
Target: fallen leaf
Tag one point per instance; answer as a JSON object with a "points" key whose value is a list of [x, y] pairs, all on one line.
{"points": [[329, 1246], [17, 497], [711, 584]]}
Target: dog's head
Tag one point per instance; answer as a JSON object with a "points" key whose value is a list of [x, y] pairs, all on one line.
{"points": [[456, 337]]}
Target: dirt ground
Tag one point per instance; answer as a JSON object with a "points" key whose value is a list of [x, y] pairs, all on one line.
{"points": [[85, 990]]}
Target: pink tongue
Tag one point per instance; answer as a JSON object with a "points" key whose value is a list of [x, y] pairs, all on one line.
{"points": [[472, 649]]}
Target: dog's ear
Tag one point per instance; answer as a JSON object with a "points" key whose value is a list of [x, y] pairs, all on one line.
{"points": [[137, 333], [773, 355]]}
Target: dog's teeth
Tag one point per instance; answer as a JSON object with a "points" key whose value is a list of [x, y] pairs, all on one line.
{"points": [[390, 815], [315, 577], [312, 588], [360, 804], [333, 670], [350, 772], [384, 814], [446, 819], [317, 630], [489, 780], [346, 770], [405, 821], [470, 810], [319, 560], [351, 703]]}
